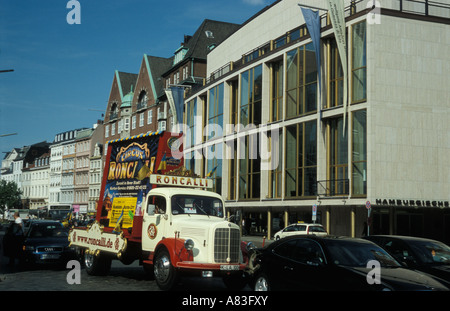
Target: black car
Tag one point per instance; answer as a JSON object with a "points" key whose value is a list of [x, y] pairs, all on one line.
{"points": [[332, 263], [426, 255], [46, 242]]}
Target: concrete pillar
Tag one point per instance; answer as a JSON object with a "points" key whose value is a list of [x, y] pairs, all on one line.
{"points": [[352, 222]]}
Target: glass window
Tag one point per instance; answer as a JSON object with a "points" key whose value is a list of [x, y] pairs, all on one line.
{"points": [[359, 153], [336, 77], [249, 168], [214, 167], [197, 205], [308, 252], [276, 173], [301, 160], [301, 81], [277, 91], [233, 172], [359, 62], [338, 158], [191, 112], [215, 107], [251, 95]]}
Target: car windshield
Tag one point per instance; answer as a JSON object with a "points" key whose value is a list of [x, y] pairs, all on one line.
{"points": [[47, 230], [356, 254], [431, 252], [200, 205]]}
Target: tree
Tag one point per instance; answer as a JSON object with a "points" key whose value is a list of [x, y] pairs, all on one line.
{"points": [[9, 195]]}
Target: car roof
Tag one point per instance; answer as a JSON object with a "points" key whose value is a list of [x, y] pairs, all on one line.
{"points": [[321, 239], [304, 224], [401, 237]]}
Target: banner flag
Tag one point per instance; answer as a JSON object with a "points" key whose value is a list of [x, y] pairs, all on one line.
{"points": [[312, 20], [336, 9], [175, 96]]}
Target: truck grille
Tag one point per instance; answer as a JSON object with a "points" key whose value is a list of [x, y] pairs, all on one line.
{"points": [[226, 244]]}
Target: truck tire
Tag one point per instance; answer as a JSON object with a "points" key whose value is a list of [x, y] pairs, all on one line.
{"points": [[166, 275], [96, 265]]}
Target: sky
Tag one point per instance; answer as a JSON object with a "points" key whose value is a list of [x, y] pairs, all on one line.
{"points": [[63, 72]]}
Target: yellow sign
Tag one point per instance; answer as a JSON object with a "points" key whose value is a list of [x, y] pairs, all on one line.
{"points": [[122, 212]]}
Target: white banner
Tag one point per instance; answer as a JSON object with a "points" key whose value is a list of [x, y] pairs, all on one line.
{"points": [[336, 9]]}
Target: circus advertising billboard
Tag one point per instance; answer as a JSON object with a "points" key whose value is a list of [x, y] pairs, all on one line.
{"points": [[126, 176]]}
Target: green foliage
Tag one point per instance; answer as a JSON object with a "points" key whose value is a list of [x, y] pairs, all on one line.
{"points": [[9, 195]]}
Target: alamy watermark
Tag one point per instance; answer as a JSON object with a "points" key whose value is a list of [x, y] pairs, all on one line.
{"points": [[74, 15], [254, 142]]}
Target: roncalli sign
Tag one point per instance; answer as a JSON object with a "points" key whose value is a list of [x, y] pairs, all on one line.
{"points": [[94, 239]]}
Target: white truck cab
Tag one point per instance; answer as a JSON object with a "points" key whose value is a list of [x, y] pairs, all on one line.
{"points": [[195, 220]]}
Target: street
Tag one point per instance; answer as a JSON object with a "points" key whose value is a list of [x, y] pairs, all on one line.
{"points": [[120, 278]]}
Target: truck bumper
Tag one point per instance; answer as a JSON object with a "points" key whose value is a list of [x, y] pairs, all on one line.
{"points": [[210, 266]]}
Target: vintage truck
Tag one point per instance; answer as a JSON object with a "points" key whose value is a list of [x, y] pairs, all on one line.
{"points": [[153, 210]]}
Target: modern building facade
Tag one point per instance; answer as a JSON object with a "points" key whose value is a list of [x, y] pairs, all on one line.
{"points": [[386, 148]]}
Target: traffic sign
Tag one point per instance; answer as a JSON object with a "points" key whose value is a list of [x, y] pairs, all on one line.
{"points": [[314, 210], [368, 205]]}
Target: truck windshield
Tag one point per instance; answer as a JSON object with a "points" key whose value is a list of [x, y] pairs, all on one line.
{"points": [[200, 205]]}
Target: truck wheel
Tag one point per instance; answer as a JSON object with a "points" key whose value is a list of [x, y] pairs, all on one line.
{"points": [[165, 274], [96, 265]]}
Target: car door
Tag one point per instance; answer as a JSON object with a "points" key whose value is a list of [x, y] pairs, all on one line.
{"points": [[301, 264], [154, 222]]}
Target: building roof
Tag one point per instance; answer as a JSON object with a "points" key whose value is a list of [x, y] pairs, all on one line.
{"points": [[158, 65], [210, 33], [126, 81]]}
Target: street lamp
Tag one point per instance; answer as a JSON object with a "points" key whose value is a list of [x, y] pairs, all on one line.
{"points": [[7, 70], [3, 135]]}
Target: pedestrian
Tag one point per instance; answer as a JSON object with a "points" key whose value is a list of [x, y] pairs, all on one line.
{"points": [[15, 238], [18, 225]]}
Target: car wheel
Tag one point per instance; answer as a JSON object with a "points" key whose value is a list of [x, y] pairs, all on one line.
{"points": [[261, 283], [165, 274]]}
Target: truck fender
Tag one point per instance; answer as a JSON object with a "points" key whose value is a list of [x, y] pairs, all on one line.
{"points": [[176, 249]]}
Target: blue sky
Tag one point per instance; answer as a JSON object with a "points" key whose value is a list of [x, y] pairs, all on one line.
{"points": [[63, 73]]}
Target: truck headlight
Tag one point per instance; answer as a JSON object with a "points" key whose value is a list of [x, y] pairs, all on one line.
{"points": [[189, 244]]}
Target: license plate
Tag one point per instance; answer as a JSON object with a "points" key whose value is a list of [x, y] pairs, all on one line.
{"points": [[229, 267]]}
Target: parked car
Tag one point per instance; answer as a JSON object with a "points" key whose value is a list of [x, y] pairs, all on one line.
{"points": [[300, 228], [426, 255], [46, 242], [331, 263]]}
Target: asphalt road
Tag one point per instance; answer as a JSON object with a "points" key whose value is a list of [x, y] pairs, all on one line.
{"points": [[120, 278]]}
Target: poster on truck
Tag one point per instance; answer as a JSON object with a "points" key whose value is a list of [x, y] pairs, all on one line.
{"points": [[129, 164]]}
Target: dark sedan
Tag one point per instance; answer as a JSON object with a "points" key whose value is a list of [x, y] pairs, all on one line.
{"points": [[46, 242], [332, 263], [429, 256]]}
